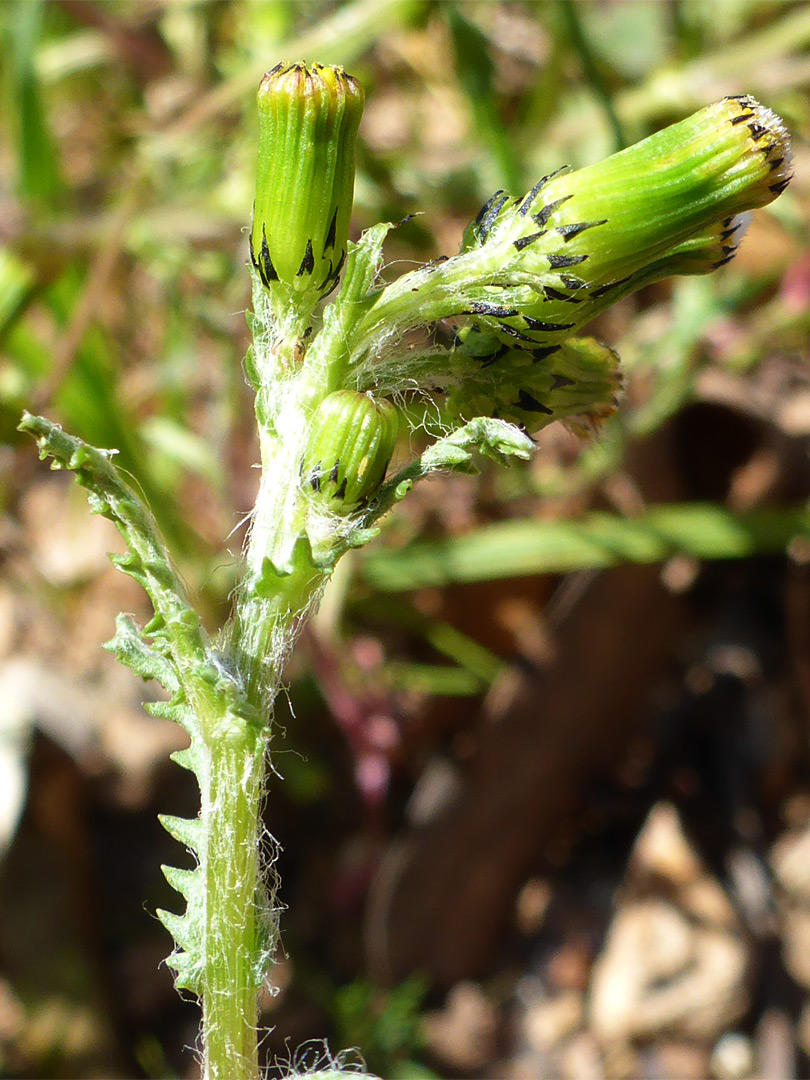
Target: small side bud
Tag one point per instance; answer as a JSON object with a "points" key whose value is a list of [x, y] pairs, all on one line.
{"points": [[309, 115], [578, 382], [350, 443]]}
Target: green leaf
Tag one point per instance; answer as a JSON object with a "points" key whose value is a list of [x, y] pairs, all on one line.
{"points": [[496, 439], [147, 559], [146, 661], [363, 264]]}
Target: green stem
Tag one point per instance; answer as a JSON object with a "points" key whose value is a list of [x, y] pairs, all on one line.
{"points": [[224, 938], [281, 580], [265, 629], [239, 930], [233, 939], [279, 585]]}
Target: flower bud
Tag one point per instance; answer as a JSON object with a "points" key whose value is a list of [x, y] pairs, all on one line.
{"points": [[533, 269], [578, 382], [308, 120], [350, 443], [667, 205]]}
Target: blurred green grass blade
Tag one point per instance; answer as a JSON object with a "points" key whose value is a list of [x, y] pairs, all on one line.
{"points": [[570, 17], [437, 680], [475, 71], [38, 176], [475, 659], [176, 449], [688, 30], [16, 285], [442, 636], [90, 403], [79, 52], [88, 400], [521, 547], [88, 397]]}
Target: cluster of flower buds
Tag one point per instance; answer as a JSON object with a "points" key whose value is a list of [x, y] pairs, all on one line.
{"points": [[532, 269], [350, 442], [308, 120]]}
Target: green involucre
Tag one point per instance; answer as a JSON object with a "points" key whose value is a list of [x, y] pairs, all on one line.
{"points": [[578, 382], [308, 120], [535, 268], [351, 440]]}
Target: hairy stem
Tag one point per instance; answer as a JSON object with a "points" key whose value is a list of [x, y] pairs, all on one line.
{"points": [[279, 586], [234, 934]]}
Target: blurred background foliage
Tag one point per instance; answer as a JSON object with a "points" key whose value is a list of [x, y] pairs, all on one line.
{"points": [[504, 787]]}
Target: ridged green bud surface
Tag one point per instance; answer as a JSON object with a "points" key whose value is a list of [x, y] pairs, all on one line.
{"points": [[579, 383], [670, 204], [535, 268], [309, 115], [351, 440]]}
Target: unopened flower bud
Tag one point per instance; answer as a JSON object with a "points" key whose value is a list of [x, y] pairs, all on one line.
{"points": [[350, 443], [578, 382], [533, 269], [308, 120], [667, 205]]}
